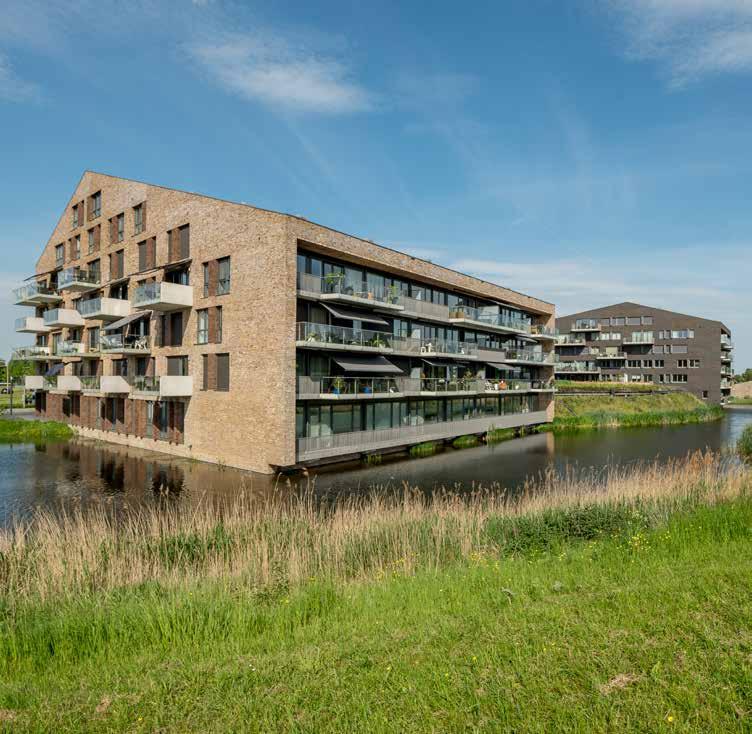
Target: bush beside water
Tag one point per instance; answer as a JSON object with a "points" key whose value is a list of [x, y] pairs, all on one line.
{"points": [[744, 444]]}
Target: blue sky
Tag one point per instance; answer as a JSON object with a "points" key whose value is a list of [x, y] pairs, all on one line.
{"points": [[586, 152]]}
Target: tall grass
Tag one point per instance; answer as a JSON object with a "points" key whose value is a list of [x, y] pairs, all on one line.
{"points": [[285, 542], [744, 444], [23, 431]]}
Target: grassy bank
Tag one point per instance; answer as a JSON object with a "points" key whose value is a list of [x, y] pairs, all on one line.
{"points": [[23, 431], [740, 401], [584, 412], [620, 602], [608, 387]]}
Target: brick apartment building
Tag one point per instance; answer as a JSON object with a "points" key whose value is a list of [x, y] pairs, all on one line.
{"points": [[205, 328], [628, 342]]}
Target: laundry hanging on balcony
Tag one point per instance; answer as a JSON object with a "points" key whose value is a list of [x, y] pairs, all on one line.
{"points": [[375, 364], [56, 369], [115, 325], [352, 314]]}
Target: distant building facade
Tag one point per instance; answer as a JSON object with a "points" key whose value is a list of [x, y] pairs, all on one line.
{"points": [[630, 342]]}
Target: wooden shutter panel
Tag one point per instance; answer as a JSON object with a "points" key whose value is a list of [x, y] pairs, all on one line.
{"points": [[97, 237], [151, 252], [213, 277], [212, 325]]}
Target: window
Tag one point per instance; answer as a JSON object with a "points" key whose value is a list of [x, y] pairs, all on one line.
{"points": [[705, 393], [679, 378], [633, 363], [682, 363], [206, 280], [647, 363], [117, 228], [117, 264], [77, 247], [647, 320], [93, 338], [120, 291], [202, 326], [75, 217], [177, 366], [90, 235], [223, 372], [617, 321], [95, 270], [59, 254], [679, 349], [223, 276], [683, 334], [218, 338], [139, 221], [634, 321], [660, 363], [694, 363], [95, 205], [176, 328]]}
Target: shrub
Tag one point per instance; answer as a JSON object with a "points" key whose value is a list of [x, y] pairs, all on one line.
{"points": [[744, 444]]}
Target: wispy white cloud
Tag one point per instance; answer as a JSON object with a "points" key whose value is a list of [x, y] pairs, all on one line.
{"points": [[12, 87], [691, 38], [272, 70]]}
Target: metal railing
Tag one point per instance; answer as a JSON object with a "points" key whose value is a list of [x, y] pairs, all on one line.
{"points": [[512, 385], [115, 342], [338, 283], [77, 275], [32, 289], [540, 330], [528, 355], [326, 334], [570, 339], [427, 309], [444, 385], [488, 318]]}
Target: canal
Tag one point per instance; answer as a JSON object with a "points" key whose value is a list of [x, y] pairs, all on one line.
{"points": [[85, 473]]}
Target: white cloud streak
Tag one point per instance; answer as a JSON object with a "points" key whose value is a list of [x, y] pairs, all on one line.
{"points": [[268, 69], [12, 88], [693, 39]]}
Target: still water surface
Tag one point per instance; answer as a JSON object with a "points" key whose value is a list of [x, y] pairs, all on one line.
{"points": [[89, 473]]}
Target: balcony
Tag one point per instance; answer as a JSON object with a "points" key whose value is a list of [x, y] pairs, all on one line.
{"points": [[337, 288], [78, 279], [58, 318], [90, 383], [434, 348], [35, 294], [165, 386], [518, 356], [69, 349], [129, 344], [319, 447], [33, 351], [638, 340], [612, 356], [465, 315], [577, 367], [114, 384], [423, 309], [323, 336], [726, 358], [69, 383], [570, 340], [585, 325], [163, 296], [34, 382], [31, 325], [543, 332], [104, 309], [727, 344]]}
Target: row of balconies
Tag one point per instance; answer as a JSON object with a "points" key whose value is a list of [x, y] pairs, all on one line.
{"points": [[156, 296], [578, 367], [338, 387], [108, 344], [167, 386], [335, 287], [325, 336]]}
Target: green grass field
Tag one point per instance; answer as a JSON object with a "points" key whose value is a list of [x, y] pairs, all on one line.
{"points": [[632, 614], [23, 431], [583, 412]]}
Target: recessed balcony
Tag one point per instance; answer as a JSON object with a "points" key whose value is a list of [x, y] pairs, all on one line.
{"points": [[569, 340], [104, 309], [163, 296], [78, 279], [58, 318], [34, 352], [518, 356], [577, 368], [31, 325], [35, 294], [129, 344], [324, 336], [336, 287], [34, 382]]}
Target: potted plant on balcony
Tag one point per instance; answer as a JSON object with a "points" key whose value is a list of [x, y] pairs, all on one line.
{"points": [[393, 294], [377, 341], [338, 385], [333, 282]]}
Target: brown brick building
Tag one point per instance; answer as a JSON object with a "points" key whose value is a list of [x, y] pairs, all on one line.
{"points": [[215, 330], [628, 342]]}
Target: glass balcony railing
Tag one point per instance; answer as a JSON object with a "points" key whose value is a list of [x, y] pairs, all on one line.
{"points": [[68, 348], [90, 382], [489, 318], [118, 342], [31, 291], [326, 334], [576, 367], [32, 351], [570, 339], [339, 284], [77, 276], [586, 325], [144, 383], [434, 346], [351, 385]]}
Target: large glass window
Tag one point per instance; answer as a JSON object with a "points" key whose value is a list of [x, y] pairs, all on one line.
{"points": [[202, 326], [223, 276]]}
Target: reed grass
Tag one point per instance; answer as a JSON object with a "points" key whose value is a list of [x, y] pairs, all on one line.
{"points": [[744, 444]]}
